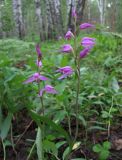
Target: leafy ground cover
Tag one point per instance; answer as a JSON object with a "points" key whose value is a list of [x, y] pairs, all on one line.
{"points": [[100, 100]]}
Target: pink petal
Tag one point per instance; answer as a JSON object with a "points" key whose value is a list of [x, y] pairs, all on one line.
{"points": [[29, 80], [43, 78], [50, 89], [41, 92], [63, 76]]}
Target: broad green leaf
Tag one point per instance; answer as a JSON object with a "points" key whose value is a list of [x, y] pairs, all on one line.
{"points": [[66, 152], [50, 137], [104, 154], [107, 145], [6, 126], [38, 119], [115, 85], [59, 144], [7, 143], [39, 144], [97, 148], [50, 147]]}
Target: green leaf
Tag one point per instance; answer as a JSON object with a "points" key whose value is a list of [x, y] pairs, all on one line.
{"points": [[50, 137], [105, 114], [50, 147], [39, 144], [6, 126], [97, 148], [38, 119], [107, 145], [81, 118], [61, 87], [115, 85], [59, 144], [96, 128], [66, 152], [104, 154], [7, 143], [59, 116]]}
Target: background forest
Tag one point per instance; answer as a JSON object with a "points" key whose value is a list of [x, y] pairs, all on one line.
{"points": [[51, 18], [60, 79]]}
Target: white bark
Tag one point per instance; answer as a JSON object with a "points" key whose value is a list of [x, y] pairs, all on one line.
{"points": [[102, 10], [17, 12], [39, 17], [68, 6]]}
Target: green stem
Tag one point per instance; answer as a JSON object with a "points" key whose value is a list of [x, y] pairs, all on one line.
{"points": [[4, 150], [77, 105], [69, 125], [31, 151], [109, 122], [77, 73], [43, 113], [40, 132]]}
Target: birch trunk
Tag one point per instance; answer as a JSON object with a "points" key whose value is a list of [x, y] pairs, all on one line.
{"points": [[102, 10], [39, 18], [18, 18]]}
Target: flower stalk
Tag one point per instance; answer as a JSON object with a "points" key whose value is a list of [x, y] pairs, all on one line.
{"points": [[87, 43]]}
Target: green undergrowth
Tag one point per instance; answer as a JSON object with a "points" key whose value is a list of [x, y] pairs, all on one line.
{"points": [[100, 89]]}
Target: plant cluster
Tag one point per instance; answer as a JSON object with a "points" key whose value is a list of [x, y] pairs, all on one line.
{"points": [[87, 43], [87, 93]]}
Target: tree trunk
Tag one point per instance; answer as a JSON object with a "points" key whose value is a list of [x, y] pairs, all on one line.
{"points": [[79, 5], [49, 20], [58, 17], [17, 12], [53, 17], [80, 9], [102, 10], [39, 18]]}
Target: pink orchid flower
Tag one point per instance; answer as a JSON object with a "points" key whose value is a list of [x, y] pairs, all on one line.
{"points": [[84, 52], [88, 42], [67, 48], [35, 77], [39, 53], [66, 71], [69, 35], [48, 89], [39, 63], [86, 25]]}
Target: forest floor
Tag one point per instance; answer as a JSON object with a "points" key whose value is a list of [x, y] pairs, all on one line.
{"points": [[26, 131], [18, 56]]}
